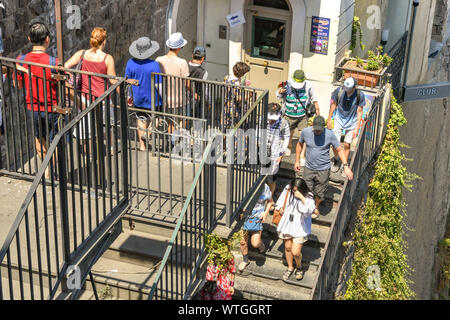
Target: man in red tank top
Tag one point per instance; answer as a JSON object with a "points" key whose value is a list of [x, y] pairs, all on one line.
{"points": [[41, 94]]}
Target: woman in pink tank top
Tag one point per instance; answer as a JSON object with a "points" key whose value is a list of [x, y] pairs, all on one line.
{"points": [[94, 60], [97, 61]]}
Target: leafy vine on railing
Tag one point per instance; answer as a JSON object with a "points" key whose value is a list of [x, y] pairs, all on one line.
{"points": [[380, 269], [356, 32]]}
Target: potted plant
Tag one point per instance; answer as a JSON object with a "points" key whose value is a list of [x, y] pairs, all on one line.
{"points": [[367, 72]]}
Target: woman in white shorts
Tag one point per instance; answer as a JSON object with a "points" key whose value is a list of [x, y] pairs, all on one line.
{"points": [[295, 224]]}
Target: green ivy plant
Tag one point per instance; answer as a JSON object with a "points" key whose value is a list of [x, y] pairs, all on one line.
{"points": [[219, 249], [377, 238], [356, 32]]}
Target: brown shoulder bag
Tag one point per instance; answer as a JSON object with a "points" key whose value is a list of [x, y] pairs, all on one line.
{"points": [[277, 213]]}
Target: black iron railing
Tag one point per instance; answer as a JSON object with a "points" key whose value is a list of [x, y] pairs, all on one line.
{"points": [[244, 156], [185, 113], [177, 277], [80, 188], [398, 54], [94, 165], [370, 140]]}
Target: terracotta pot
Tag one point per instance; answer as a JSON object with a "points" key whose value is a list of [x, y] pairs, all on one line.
{"points": [[363, 78]]}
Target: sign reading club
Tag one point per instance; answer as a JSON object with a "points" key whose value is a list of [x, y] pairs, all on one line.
{"points": [[428, 91]]}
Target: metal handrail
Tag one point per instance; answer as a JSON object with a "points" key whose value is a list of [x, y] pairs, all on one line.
{"points": [[249, 112], [337, 216], [45, 163], [62, 69], [40, 176], [209, 82], [181, 217]]}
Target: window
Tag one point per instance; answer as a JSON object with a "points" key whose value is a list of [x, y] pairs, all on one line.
{"points": [[268, 38], [277, 4]]}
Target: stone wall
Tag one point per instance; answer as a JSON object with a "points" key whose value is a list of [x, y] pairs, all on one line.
{"points": [[124, 20], [428, 135]]}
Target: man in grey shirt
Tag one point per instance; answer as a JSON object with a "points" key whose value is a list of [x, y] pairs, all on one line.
{"points": [[316, 174]]}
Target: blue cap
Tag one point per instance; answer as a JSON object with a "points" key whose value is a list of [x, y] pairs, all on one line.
{"points": [[199, 52]]}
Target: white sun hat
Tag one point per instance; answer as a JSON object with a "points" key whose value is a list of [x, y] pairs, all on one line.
{"points": [[176, 41]]}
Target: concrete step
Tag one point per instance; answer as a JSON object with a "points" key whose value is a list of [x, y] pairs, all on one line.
{"points": [[144, 249], [272, 269], [156, 224], [333, 193], [319, 233], [258, 288], [138, 248], [121, 280], [89, 295], [29, 292], [311, 254]]}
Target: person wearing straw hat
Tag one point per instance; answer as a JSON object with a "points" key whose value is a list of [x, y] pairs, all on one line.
{"points": [[141, 68], [172, 64]]}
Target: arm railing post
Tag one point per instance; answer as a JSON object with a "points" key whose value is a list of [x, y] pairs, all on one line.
{"points": [[64, 208], [124, 138]]}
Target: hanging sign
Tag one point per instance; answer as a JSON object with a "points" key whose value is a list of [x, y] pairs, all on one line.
{"points": [[427, 91], [236, 19], [320, 35]]}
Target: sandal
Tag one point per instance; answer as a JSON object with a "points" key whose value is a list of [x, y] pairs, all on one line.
{"points": [[243, 265], [287, 274], [299, 274], [315, 214]]}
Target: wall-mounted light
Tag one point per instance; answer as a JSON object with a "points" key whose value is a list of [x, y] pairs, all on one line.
{"points": [[384, 37]]}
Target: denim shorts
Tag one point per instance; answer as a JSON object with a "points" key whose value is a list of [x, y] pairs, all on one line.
{"points": [[40, 120]]}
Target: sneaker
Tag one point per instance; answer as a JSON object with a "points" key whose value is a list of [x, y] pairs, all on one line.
{"points": [[299, 274], [243, 265], [335, 165]]}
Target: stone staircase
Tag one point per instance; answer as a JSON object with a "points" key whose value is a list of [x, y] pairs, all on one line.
{"points": [[128, 267], [262, 279]]}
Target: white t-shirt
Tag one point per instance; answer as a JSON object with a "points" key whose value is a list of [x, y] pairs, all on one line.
{"points": [[300, 226], [174, 66]]}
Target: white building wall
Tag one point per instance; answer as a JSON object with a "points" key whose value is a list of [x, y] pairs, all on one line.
{"points": [[223, 54], [317, 66]]}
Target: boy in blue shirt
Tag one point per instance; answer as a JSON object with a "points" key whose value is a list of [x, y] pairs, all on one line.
{"points": [[141, 67]]}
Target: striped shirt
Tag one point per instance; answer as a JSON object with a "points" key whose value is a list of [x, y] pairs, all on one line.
{"points": [[296, 100], [278, 135]]}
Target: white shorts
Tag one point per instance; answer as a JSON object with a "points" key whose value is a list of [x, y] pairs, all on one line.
{"points": [[348, 133], [86, 134], [299, 240]]}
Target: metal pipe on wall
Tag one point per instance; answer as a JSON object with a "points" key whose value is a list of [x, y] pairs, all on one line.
{"points": [[413, 22]]}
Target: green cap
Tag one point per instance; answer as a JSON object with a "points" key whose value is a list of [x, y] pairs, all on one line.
{"points": [[299, 76]]}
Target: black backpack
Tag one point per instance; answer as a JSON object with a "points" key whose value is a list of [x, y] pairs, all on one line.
{"points": [[197, 72], [341, 94]]}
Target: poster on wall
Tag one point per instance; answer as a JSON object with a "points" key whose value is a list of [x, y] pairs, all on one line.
{"points": [[320, 35]]}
